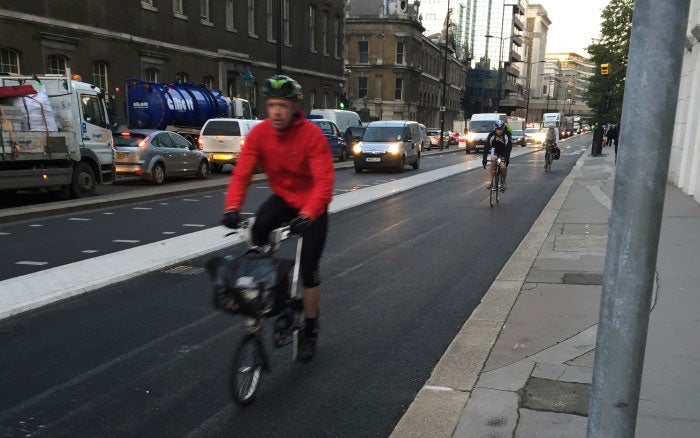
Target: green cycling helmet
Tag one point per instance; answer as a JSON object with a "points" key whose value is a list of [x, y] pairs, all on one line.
{"points": [[280, 86]]}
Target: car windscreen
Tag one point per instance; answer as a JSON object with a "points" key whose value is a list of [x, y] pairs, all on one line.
{"points": [[383, 133], [326, 127], [481, 125], [531, 130], [518, 132], [433, 132], [357, 131], [127, 139], [222, 127]]}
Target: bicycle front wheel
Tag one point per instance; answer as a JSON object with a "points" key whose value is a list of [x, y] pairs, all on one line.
{"points": [[493, 192], [247, 369], [548, 161]]}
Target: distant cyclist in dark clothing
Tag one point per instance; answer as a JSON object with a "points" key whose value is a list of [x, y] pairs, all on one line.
{"points": [[498, 144]]}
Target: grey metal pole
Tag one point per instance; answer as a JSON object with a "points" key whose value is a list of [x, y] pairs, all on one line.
{"points": [[648, 114], [278, 67]]}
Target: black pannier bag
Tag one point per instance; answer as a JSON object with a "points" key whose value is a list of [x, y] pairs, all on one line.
{"points": [[556, 152], [254, 284]]}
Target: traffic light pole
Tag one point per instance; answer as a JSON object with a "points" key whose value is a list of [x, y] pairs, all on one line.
{"points": [[648, 115], [443, 108]]}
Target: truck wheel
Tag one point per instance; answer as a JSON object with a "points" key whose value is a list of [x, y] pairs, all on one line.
{"points": [[158, 174], [203, 171], [84, 182]]}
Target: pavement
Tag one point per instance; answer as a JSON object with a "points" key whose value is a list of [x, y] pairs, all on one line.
{"points": [[521, 366]]}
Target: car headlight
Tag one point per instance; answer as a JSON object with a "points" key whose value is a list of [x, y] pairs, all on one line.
{"points": [[393, 148], [471, 136], [357, 148]]}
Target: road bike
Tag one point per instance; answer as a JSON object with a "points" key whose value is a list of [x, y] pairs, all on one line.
{"points": [[257, 286], [548, 156], [494, 188]]}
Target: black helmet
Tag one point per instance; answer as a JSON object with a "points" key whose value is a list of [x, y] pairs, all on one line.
{"points": [[281, 86]]}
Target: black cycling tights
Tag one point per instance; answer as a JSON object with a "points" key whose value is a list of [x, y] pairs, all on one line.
{"points": [[272, 214]]}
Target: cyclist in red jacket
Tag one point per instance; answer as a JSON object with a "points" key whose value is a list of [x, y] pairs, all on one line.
{"points": [[296, 157]]}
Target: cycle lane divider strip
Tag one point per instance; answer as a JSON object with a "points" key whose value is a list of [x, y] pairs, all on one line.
{"points": [[31, 291]]}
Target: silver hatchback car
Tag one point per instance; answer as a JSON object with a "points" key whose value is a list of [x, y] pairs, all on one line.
{"points": [[156, 155]]}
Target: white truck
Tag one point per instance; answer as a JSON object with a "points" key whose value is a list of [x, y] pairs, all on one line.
{"points": [[54, 134], [479, 127]]}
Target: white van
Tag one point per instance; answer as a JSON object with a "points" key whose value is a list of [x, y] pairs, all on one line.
{"points": [[342, 119], [222, 140], [479, 127]]}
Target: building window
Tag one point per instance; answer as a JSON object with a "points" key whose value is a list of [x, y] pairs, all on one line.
{"points": [[58, 64], [9, 61], [362, 82], [398, 90], [178, 7], [399, 53], [230, 17], [363, 50], [336, 37], [251, 18], [204, 10], [312, 99], [324, 33], [181, 77], [285, 21], [151, 74], [271, 20], [208, 81], [312, 28], [99, 75], [325, 99], [149, 5]]}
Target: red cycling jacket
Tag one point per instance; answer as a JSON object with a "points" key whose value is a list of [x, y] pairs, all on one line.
{"points": [[297, 161]]}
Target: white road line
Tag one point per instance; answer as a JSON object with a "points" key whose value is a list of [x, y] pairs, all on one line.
{"points": [[79, 219], [30, 263], [36, 225], [89, 251], [262, 187], [163, 203], [168, 232], [107, 212], [190, 200], [194, 225], [125, 241], [248, 213], [142, 208], [4, 234], [208, 196]]}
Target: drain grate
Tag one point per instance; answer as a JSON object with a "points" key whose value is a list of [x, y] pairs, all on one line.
{"points": [[185, 270]]}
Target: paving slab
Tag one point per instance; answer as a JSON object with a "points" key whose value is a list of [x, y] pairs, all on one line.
{"points": [[534, 424], [584, 360], [563, 372], [490, 414], [585, 229], [575, 243], [555, 396], [591, 263], [509, 378]]}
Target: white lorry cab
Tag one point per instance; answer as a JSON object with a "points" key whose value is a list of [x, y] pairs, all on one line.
{"points": [[54, 134], [479, 127], [342, 119]]}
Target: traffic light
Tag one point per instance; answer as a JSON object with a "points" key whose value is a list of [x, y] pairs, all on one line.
{"points": [[343, 102], [604, 69]]}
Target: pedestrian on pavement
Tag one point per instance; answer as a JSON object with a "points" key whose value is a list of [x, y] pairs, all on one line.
{"points": [[295, 155]]}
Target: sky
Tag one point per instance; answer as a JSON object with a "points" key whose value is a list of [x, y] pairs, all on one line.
{"points": [[574, 23]]}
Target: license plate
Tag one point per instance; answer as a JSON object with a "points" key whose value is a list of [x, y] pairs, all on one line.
{"points": [[373, 159], [121, 155]]}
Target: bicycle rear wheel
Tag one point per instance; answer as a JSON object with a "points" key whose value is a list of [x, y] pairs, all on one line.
{"points": [[247, 369]]}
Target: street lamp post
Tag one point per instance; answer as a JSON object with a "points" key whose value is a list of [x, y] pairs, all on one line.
{"points": [[443, 108]]}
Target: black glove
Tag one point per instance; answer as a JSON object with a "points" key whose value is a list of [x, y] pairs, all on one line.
{"points": [[484, 163], [231, 219], [299, 224]]}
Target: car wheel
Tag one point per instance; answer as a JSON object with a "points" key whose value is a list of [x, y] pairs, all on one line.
{"points": [[416, 164], [358, 169], [216, 167], [83, 183], [468, 150], [343, 155], [158, 174], [402, 164], [203, 171]]}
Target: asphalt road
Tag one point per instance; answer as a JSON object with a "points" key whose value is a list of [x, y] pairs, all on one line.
{"points": [[151, 357], [43, 243]]}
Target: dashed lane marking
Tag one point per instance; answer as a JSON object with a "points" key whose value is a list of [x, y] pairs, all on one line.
{"points": [[31, 263], [142, 208], [168, 232], [80, 219], [163, 203], [36, 225], [4, 234], [194, 225], [125, 241], [190, 200], [89, 251], [107, 212]]}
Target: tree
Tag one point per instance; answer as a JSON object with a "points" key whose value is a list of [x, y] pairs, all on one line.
{"points": [[605, 93]]}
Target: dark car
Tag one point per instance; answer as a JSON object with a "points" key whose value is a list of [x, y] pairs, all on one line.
{"points": [[518, 137], [339, 147], [157, 155]]}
